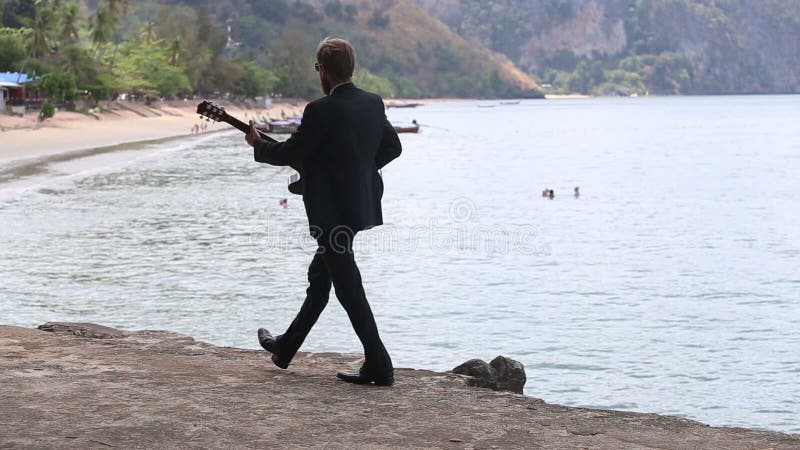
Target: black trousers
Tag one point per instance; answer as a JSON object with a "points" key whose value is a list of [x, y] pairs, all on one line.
{"points": [[334, 263]]}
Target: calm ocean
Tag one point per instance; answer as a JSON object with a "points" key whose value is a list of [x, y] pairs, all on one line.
{"points": [[670, 286]]}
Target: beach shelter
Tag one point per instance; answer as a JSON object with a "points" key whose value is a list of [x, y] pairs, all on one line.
{"points": [[12, 92]]}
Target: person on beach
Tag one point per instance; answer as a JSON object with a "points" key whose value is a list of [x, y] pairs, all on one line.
{"points": [[344, 139]]}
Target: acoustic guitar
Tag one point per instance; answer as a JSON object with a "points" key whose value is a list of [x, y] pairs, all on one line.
{"points": [[218, 114]]}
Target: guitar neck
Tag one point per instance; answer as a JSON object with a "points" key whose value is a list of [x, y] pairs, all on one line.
{"points": [[243, 127]]}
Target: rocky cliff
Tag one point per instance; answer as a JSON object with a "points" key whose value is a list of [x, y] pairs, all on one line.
{"points": [[625, 46]]}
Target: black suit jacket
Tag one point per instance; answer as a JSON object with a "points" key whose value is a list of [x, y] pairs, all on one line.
{"points": [[342, 142]]}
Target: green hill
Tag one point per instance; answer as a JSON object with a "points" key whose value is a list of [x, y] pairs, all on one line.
{"points": [[175, 47], [406, 48], [402, 50]]}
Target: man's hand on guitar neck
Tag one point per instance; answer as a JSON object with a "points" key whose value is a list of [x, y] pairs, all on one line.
{"points": [[252, 135]]}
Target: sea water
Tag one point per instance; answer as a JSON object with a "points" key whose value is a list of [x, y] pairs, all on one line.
{"points": [[670, 285]]}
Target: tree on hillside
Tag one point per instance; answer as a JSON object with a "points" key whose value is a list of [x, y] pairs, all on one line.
{"points": [[60, 87], [117, 8], [295, 69], [74, 59], [101, 27], [91, 75], [16, 13], [145, 67], [379, 19], [148, 32], [333, 9], [200, 45], [174, 52], [70, 17], [350, 12], [374, 83], [256, 81], [12, 48], [42, 24], [306, 12]]}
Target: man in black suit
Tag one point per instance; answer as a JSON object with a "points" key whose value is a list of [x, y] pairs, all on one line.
{"points": [[343, 141]]}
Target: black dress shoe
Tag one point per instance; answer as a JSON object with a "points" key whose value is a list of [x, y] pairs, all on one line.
{"points": [[367, 378], [267, 341], [270, 344]]}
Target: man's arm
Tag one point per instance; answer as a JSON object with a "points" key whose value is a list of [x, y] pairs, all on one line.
{"points": [[302, 144], [390, 146]]}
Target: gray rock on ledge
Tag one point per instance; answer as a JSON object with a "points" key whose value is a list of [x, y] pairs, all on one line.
{"points": [[502, 374], [86, 386], [510, 374]]}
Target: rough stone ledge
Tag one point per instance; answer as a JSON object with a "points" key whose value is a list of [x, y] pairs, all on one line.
{"points": [[88, 386]]}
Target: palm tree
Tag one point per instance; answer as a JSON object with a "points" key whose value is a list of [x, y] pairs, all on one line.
{"points": [[174, 52], [148, 33], [70, 59], [101, 26], [78, 61], [42, 25], [106, 19], [117, 8], [70, 19]]}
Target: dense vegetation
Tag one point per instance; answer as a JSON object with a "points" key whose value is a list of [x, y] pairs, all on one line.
{"points": [[91, 56], [608, 47], [94, 49]]}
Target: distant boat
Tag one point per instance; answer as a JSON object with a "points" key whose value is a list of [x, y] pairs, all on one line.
{"points": [[403, 105], [510, 103], [285, 126], [290, 124], [412, 127]]}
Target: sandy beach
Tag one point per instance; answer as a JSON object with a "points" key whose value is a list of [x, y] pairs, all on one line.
{"points": [[566, 96], [23, 138], [72, 142]]}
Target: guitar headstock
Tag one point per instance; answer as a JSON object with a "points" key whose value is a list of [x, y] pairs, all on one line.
{"points": [[211, 110]]}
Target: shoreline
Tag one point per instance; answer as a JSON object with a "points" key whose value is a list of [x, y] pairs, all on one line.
{"points": [[27, 146], [24, 141], [23, 168], [89, 385]]}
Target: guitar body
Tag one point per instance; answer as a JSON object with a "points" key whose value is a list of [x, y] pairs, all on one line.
{"points": [[217, 113]]}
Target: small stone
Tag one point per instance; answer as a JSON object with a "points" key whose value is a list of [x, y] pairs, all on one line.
{"points": [[510, 374], [481, 372]]}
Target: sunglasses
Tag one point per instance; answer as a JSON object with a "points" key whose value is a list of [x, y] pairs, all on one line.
{"points": [[317, 65]]}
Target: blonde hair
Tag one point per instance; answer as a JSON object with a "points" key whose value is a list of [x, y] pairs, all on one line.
{"points": [[338, 57]]}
